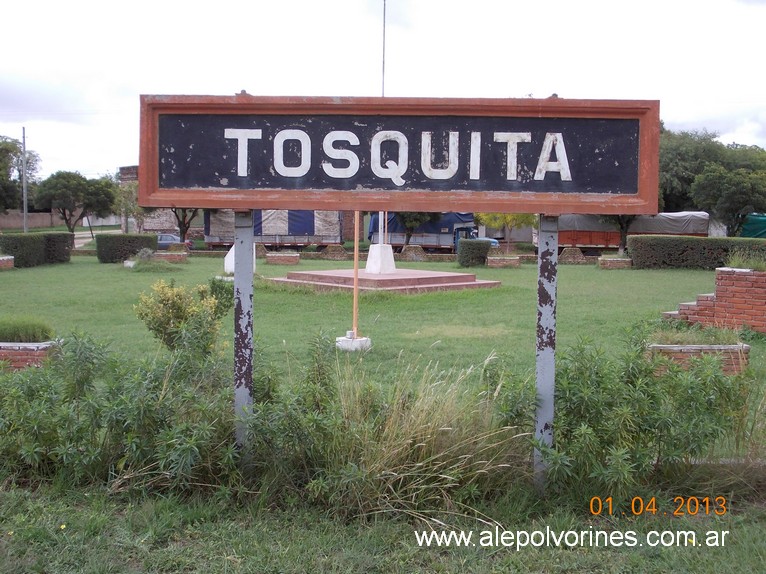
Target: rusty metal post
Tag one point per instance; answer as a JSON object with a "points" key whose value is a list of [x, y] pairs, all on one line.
{"points": [[545, 369], [243, 321]]}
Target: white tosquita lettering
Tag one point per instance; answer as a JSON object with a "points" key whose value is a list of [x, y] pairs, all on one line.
{"points": [[513, 139], [393, 170], [346, 155], [425, 157], [553, 141], [388, 156], [242, 137]]}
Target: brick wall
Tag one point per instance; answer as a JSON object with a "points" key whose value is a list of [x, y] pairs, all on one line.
{"points": [[739, 299], [612, 263], [503, 261], [6, 262], [734, 358], [282, 258], [22, 355]]}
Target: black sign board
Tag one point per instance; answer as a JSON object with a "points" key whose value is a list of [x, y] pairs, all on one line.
{"points": [[546, 156]]}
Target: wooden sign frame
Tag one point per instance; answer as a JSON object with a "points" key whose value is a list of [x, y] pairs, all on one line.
{"points": [[362, 193]]}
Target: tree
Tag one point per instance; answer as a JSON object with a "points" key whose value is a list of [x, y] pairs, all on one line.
{"points": [[11, 172], [184, 218], [730, 196], [411, 220], [683, 156], [621, 222], [73, 196], [9, 196], [749, 157], [506, 222], [126, 204]]}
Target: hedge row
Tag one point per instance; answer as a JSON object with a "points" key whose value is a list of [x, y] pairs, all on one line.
{"points": [[32, 249], [658, 251], [115, 248], [24, 330], [472, 252], [58, 247]]}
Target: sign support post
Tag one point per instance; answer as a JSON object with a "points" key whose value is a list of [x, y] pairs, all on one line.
{"points": [[545, 357], [243, 322]]}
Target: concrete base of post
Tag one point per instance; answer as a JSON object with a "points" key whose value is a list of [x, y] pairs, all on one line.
{"points": [[351, 343], [380, 259]]}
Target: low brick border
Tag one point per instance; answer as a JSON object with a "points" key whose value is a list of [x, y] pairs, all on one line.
{"points": [[23, 355], [6, 262], [734, 358], [281, 258], [503, 261], [615, 263]]}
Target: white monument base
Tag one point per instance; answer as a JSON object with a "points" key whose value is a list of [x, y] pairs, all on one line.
{"points": [[351, 343], [228, 261], [380, 259]]}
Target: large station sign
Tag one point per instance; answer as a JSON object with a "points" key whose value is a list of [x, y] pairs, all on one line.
{"points": [[547, 156]]}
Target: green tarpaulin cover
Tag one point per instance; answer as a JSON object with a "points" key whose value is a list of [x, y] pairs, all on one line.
{"points": [[755, 225]]}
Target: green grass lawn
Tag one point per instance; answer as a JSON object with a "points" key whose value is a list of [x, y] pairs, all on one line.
{"points": [[454, 328], [91, 533], [50, 528]]}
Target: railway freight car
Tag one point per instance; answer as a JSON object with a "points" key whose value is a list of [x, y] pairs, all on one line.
{"points": [[435, 236], [276, 228], [592, 233]]}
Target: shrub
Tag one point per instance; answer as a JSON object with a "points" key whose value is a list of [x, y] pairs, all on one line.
{"points": [[24, 330], [664, 332], [144, 254], [58, 247], [658, 251], [28, 249], [178, 248], [173, 314], [115, 248], [88, 418], [472, 252], [622, 425], [223, 291], [154, 266], [747, 259]]}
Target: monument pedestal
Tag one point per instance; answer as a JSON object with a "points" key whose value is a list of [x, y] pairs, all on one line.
{"points": [[380, 259]]}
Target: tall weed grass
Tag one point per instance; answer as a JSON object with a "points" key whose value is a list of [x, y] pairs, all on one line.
{"points": [[427, 445]]}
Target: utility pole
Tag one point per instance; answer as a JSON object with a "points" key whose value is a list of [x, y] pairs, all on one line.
{"points": [[24, 174]]}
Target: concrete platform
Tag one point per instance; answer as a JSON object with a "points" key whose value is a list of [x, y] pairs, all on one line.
{"points": [[400, 281]]}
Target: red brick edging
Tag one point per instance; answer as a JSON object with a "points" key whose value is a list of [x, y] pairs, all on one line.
{"points": [[734, 358], [22, 355], [6, 262]]}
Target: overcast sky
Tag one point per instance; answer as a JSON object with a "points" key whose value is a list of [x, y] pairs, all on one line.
{"points": [[72, 72]]}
